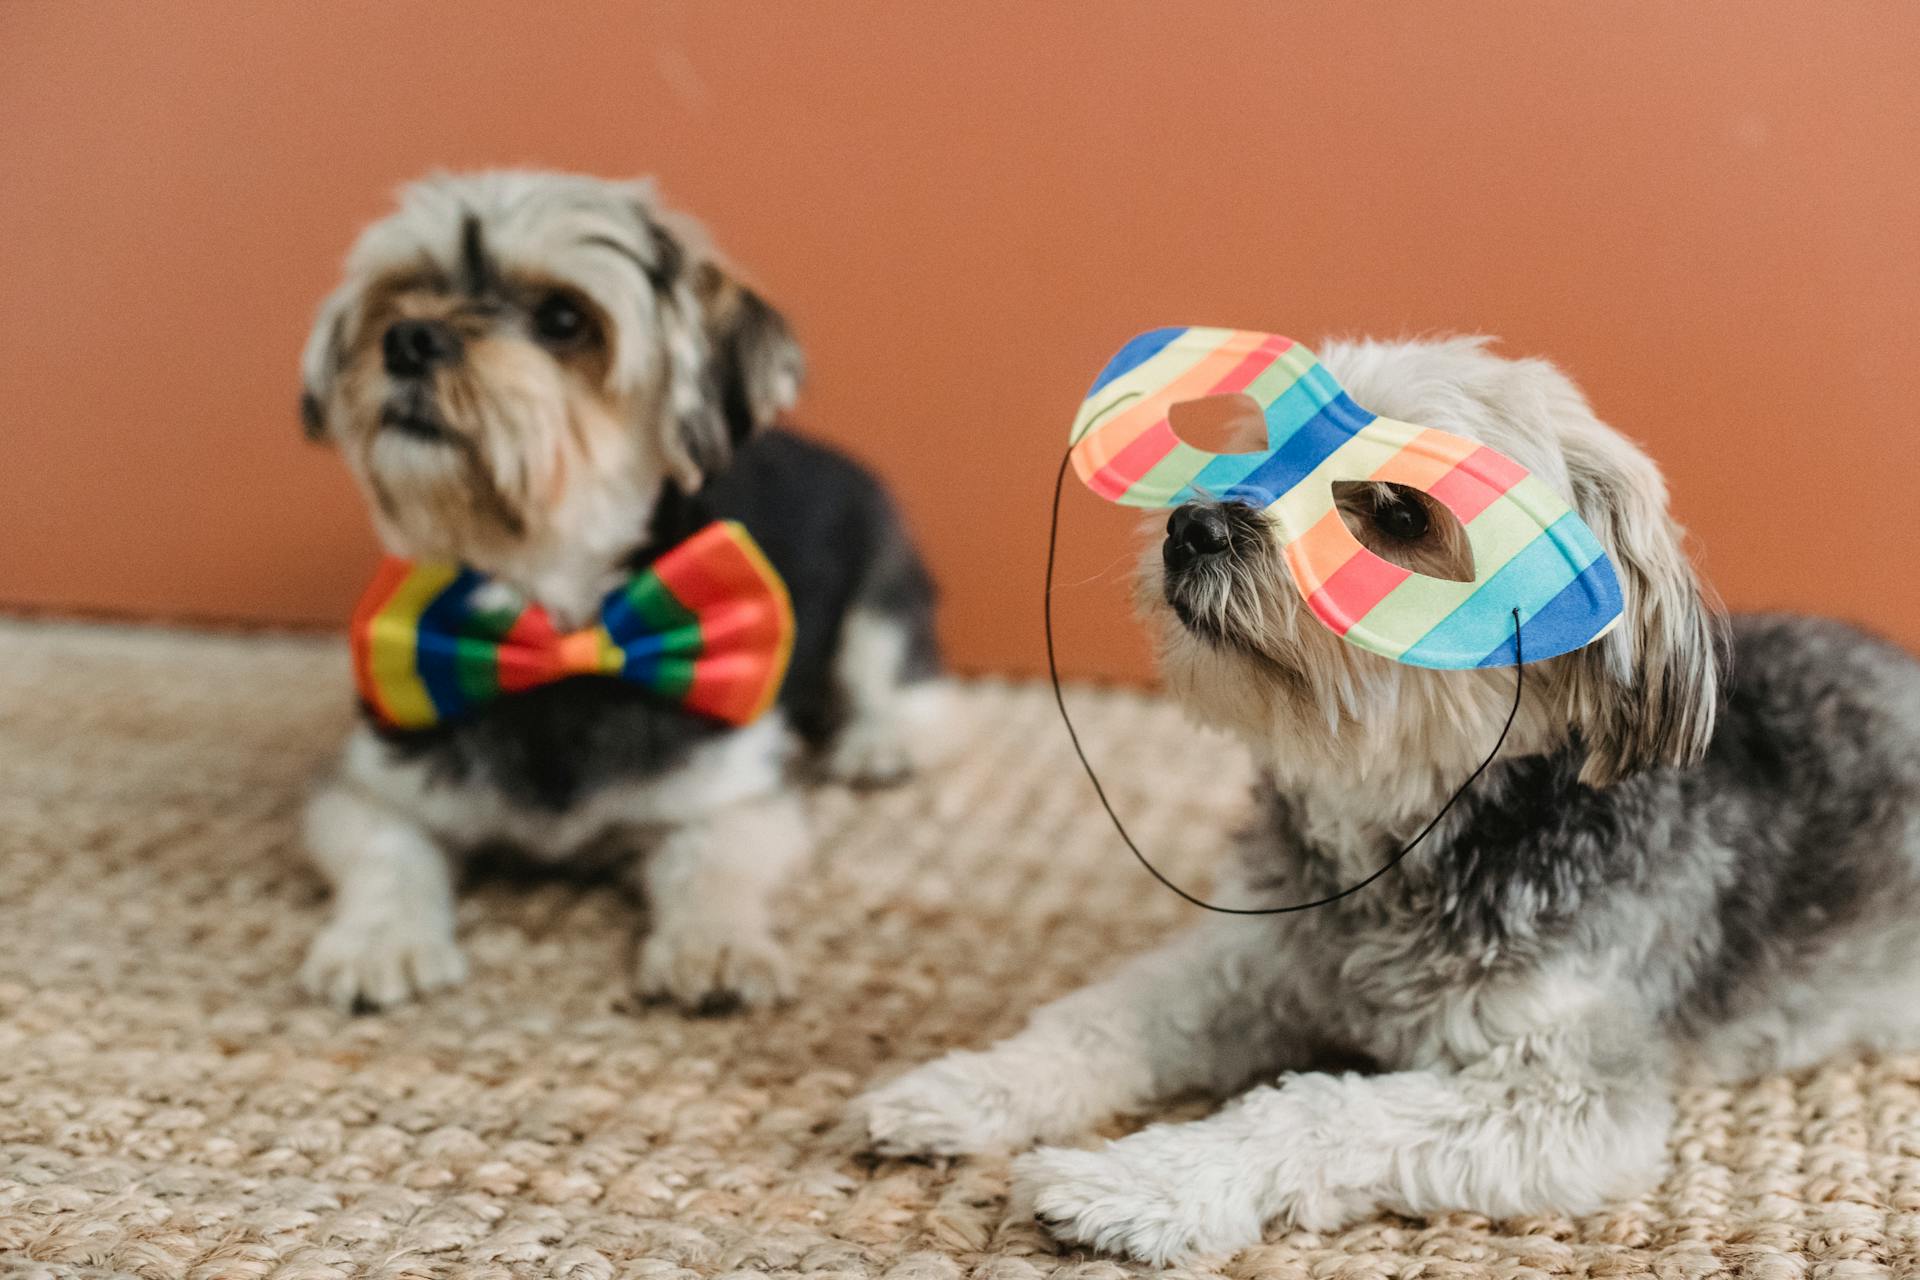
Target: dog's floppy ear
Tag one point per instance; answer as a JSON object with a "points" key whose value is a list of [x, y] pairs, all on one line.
{"points": [[1645, 694], [753, 362], [320, 361], [735, 364]]}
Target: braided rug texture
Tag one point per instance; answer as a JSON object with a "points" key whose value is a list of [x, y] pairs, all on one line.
{"points": [[170, 1105]]}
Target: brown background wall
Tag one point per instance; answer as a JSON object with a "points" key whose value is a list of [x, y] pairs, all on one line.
{"points": [[1708, 213]]}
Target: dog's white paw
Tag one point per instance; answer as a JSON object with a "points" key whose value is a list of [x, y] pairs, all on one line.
{"points": [[915, 727], [871, 751], [961, 1104], [379, 959], [709, 967], [1128, 1198]]}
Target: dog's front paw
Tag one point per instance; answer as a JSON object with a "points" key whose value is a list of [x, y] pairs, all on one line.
{"points": [[709, 968], [962, 1104], [375, 960], [1133, 1199], [871, 751]]}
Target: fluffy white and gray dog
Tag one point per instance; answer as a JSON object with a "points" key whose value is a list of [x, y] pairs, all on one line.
{"points": [[552, 380], [1698, 856]]}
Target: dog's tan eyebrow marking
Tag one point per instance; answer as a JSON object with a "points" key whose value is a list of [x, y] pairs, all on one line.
{"points": [[430, 273], [480, 308], [427, 277]]}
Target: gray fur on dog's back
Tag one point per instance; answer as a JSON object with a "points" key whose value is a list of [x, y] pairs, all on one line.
{"points": [[1756, 906], [1811, 806]]}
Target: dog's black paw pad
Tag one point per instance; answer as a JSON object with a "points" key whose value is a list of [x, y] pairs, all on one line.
{"points": [[718, 1004]]}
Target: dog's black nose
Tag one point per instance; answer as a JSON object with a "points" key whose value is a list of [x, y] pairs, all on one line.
{"points": [[1194, 532], [412, 347]]}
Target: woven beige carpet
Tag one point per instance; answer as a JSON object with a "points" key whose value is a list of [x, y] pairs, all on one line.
{"points": [[171, 1106]]}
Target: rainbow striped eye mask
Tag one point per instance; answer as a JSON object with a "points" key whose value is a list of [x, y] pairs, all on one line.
{"points": [[707, 627], [1531, 553]]}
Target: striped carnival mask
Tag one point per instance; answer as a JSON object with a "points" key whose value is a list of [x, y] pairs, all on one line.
{"points": [[1531, 552], [707, 627]]}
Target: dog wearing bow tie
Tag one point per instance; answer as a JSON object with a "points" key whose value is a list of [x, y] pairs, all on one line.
{"points": [[558, 401]]}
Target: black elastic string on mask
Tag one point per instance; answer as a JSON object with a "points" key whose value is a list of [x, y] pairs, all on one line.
{"points": [[1053, 672]]}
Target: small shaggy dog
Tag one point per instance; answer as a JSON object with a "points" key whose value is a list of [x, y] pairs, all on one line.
{"points": [[1698, 852], [552, 381]]}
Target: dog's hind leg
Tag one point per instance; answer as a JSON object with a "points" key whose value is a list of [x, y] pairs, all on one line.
{"points": [[1206, 1012], [1532, 1128], [896, 712]]}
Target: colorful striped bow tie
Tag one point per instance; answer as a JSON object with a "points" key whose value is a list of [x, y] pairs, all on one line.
{"points": [[708, 627]]}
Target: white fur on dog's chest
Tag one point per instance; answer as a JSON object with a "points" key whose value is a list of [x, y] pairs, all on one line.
{"points": [[741, 765]]}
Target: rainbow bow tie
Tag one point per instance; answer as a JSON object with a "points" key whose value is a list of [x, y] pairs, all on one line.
{"points": [[708, 626]]}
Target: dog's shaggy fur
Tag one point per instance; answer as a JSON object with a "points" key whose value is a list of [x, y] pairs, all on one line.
{"points": [[551, 379], [1698, 851]]}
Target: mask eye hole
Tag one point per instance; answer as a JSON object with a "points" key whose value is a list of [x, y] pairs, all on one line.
{"points": [[1220, 424], [1401, 516], [1404, 526]]}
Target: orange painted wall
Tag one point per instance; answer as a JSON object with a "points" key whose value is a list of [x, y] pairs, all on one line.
{"points": [[1710, 213]]}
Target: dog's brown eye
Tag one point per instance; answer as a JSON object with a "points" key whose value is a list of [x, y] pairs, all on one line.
{"points": [[1401, 517], [560, 320]]}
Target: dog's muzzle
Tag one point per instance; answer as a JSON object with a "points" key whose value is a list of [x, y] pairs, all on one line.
{"points": [[414, 417], [414, 348], [1196, 532], [1208, 546]]}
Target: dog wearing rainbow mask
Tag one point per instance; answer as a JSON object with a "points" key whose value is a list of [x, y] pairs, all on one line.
{"points": [[1696, 853], [617, 599]]}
